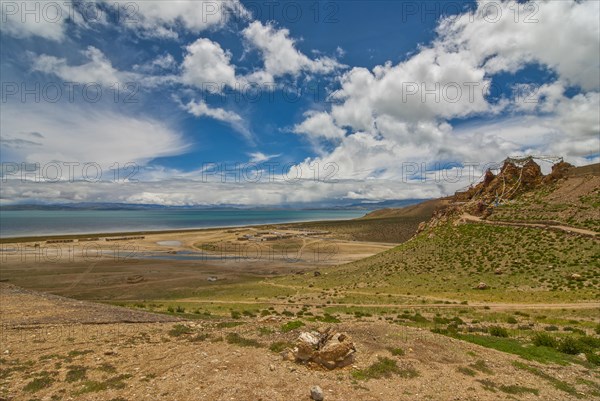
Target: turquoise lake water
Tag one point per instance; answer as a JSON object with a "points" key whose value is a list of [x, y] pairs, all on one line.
{"points": [[21, 223]]}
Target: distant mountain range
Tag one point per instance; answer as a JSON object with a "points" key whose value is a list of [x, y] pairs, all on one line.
{"points": [[355, 205]]}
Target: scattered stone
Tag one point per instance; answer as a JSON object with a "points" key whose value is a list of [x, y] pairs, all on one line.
{"points": [[269, 318], [316, 393], [482, 286]]}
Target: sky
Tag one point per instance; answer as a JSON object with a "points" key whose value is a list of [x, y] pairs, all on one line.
{"points": [[288, 103]]}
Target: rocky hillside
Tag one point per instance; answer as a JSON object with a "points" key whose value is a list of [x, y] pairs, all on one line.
{"points": [[520, 192]]}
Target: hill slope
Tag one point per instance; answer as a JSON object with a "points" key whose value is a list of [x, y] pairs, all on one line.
{"points": [[452, 255], [384, 225]]}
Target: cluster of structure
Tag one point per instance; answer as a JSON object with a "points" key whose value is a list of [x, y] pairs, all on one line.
{"points": [[261, 236]]}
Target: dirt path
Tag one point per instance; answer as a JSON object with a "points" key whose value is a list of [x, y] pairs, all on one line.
{"points": [[569, 229], [495, 306]]}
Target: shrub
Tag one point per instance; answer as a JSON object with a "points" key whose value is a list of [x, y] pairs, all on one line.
{"points": [[235, 338], [179, 330], [75, 373], [593, 358], [589, 341], [511, 320], [397, 351], [279, 346], [327, 318], [384, 367], [467, 371], [235, 314], [574, 330], [570, 345], [289, 326], [180, 309], [498, 331], [597, 329], [544, 340]]}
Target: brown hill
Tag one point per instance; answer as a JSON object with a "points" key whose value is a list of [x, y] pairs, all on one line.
{"points": [[568, 195]]}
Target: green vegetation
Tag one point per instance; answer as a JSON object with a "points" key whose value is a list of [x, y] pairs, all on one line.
{"points": [[327, 318], [44, 380], [467, 371], [541, 339], [510, 389], [279, 346], [481, 366], [384, 368], [291, 325], [396, 351], [179, 330], [224, 325], [571, 345], [513, 346], [498, 331], [75, 373], [107, 368], [536, 266], [235, 338], [514, 389], [92, 386], [559, 384]]}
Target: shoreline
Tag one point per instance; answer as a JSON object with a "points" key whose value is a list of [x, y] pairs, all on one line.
{"points": [[45, 237]]}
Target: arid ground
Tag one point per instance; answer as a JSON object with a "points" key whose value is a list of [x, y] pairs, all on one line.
{"points": [[475, 306]]}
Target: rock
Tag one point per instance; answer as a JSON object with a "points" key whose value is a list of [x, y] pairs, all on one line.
{"points": [[269, 318], [310, 338], [482, 286], [271, 367], [559, 170], [575, 276], [326, 348], [498, 271], [316, 393], [211, 279], [317, 273]]}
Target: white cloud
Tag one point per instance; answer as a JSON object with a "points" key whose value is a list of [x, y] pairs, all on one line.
{"points": [[401, 113], [259, 157], [505, 36], [40, 19], [319, 125], [207, 64], [98, 69], [165, 18], [86, 133], [201, 109], [432, 84], [280, 55], [160, 63]]}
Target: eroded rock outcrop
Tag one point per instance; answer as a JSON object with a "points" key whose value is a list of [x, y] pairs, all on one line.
{"points": [[325, 348]]}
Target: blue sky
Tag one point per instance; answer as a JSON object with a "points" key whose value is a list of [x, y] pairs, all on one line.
{"points": [[361, 92]]}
